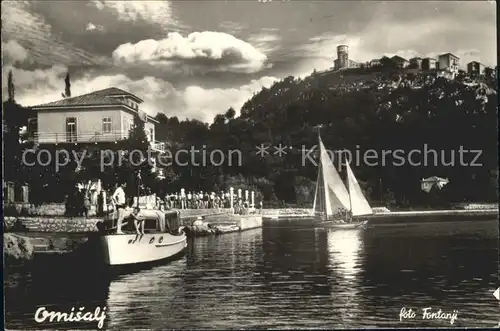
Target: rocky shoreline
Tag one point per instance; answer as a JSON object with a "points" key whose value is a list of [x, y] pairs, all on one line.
{"points": [[21, 248], [17, 249]]}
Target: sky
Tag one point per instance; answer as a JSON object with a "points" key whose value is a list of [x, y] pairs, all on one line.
{"points": [[195, 59]]}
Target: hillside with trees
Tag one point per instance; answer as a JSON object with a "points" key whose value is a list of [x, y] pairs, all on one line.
{"points": [[378, 108]]}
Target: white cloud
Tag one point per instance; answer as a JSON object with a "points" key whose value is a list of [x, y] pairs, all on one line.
{"points": [[37, 86], [265, 42], [13, 52], [43, 86], [209, 102], [216, 51], [232, 27], [159, 12], [92, 27]]}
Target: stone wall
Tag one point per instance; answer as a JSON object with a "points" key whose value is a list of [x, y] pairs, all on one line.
{"points": [[248, 222], [51, 224], [49, 209], [302, 211], [58, 209], [27, 209], [475, 206], [193, 213]]}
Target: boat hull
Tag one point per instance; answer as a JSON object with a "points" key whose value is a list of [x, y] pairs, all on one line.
{"points": [[133, 249], [344, 226]]}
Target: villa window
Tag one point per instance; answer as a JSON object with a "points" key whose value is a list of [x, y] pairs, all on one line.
{"points": [[71, 129], [106, 125]]}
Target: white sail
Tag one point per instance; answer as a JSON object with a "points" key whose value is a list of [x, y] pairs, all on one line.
{"points": [[319, 200], [331, 193], [359, 204]]}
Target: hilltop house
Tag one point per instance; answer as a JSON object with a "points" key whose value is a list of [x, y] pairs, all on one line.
{"points": [[429, 63], [400, 62], [475, 68], [100, 117], [385, 61], [342, 61], [374, 63], [426, 184], [416, 63], [449, 62]]}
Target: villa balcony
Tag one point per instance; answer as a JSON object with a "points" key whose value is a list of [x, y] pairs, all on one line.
{"points": [[88, 138]]}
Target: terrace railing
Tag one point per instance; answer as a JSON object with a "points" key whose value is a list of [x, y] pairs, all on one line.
{"points": [[88, 137]]}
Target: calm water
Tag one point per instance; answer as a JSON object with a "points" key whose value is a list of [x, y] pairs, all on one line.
{"points": [[287, 278]]}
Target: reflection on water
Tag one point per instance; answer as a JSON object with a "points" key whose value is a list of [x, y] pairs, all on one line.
{"points": [[127, 296], [345, 249], [287, 278]]}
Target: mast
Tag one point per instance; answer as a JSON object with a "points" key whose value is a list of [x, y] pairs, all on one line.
{"points": [[138, 186], [323, 200], [325, 188], [348, 191]]}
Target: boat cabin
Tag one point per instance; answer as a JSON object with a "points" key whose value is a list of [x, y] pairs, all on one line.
{"points": [[156, 221]]}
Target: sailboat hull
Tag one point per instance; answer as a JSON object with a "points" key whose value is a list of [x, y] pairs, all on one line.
{"points": [[343, 226]]}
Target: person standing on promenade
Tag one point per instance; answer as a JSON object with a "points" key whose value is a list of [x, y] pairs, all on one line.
{"points": [[189, 203], [100, 204], [183, 199], [86, 203], [119, 200]]}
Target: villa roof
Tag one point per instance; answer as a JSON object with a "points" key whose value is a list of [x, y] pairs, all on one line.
{"points": [[398, 58], [105, 97], [445, 54], [101, 97]]}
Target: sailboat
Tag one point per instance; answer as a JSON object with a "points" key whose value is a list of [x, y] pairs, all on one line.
{"points": [[335, 205]]}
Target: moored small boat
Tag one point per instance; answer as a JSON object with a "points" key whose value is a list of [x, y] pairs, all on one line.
{"points": [[162, 239]]}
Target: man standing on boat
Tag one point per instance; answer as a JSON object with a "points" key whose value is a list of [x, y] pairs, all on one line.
{"points": [[119, 199]]}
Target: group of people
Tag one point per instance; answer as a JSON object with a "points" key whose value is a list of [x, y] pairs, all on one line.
{"points": [[175, 201], [198, 200]]}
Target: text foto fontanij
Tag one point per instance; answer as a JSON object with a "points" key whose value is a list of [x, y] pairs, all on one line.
{"points": [[428, 314]]}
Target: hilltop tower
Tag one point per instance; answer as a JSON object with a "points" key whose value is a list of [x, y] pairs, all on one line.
{"points": [[342, 57]]}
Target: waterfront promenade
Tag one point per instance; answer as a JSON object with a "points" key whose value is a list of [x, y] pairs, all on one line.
{"points": [[224, 216]]}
